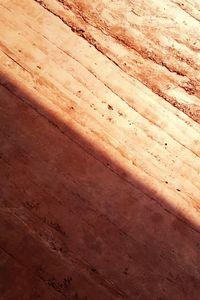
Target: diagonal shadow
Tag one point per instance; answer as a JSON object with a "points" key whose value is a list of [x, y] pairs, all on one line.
{"points": [[74, 225]]}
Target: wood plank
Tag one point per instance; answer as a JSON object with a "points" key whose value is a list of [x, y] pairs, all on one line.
{"points": [[158, 150], [99, 173]]}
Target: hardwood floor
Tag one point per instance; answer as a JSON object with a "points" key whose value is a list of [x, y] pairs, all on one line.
{"points": [[99, 150]]}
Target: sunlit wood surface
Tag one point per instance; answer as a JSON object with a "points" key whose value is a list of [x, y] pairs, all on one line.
{"points": [[99, 149]]}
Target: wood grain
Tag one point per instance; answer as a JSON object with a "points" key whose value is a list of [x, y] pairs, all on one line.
{"points": [[158, 48], [99, 149]]}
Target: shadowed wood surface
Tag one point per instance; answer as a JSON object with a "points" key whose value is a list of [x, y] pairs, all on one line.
{"points": [[99, 149]]}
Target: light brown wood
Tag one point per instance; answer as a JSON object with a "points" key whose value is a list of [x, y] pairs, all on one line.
{"points": [[100, 149]]}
